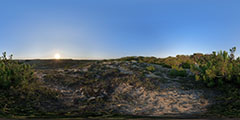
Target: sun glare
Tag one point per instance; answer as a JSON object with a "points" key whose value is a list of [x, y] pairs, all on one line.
{"points": [[57, 56]]}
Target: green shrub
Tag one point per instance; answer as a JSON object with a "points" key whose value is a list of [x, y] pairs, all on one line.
{"points": [[150, 68], [165, 65], [218, 69], [175, 73], [20, 93], [186, 65], [12, 73]]}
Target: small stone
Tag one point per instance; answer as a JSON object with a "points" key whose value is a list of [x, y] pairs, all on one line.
{"points": [[91, 98], [95, 90]]}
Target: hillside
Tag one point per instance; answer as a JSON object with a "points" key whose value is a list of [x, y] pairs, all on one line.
{"points": [[196, 86], [124, 88]]}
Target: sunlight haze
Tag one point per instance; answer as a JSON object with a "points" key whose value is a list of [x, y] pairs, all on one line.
{"points": [[95, 29]]}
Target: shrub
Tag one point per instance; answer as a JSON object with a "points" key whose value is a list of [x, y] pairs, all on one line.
{"points": [[218, 69], [150, 68], [165, 65], [12, 73], [175, 73], [18, 84], [186, 65]]}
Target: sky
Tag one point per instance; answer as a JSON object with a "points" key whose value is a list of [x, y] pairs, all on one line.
{"points": [[102, 29]]}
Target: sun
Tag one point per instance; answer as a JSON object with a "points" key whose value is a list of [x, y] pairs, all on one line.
{"points": [[57, 56]]}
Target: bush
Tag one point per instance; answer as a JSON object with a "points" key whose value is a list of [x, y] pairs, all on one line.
{"points": [[18, 84], [12, 73], [175, 73], [165, 65], [186, 65], [218, 69], [150, 68]]}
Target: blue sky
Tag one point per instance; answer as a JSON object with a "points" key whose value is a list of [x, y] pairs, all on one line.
{"points": [[97, 29]]}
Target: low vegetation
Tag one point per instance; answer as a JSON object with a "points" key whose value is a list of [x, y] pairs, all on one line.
{"points": [[150, 68], [13, 74], [175, 73], [219, 71], [20, 93]]}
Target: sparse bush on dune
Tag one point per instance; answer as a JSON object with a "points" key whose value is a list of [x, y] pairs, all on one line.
{"points": [[214, 69], [141, 59]]}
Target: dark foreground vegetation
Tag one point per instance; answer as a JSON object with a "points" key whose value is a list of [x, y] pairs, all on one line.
{"points": [[22, 93]]}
